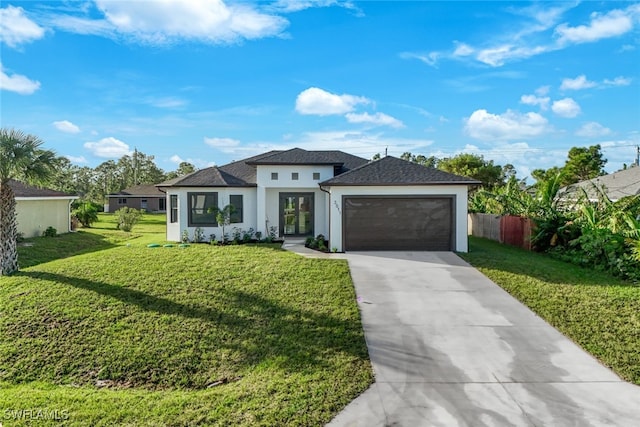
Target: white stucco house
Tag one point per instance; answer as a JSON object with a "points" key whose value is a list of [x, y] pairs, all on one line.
{"points": [[387, 204], [40, 208]]}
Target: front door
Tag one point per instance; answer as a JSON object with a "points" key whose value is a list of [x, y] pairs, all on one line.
{"points": [[296, 214]]}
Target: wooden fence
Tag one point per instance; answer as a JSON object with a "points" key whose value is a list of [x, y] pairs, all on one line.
{"points": [[510, 230]]}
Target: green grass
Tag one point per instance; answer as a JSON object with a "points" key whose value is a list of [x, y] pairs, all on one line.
{"points": [[122, 334], [597, 311]]}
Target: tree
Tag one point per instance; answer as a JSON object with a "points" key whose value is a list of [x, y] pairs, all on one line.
{"points": [[184, 168], [430, 161], [20, 158], [583, 163], [474, 166]]}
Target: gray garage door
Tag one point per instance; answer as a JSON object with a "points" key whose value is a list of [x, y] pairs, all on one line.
{"points": [[398, 223]]}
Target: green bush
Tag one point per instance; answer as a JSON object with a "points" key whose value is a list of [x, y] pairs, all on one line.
{"points": [[127, 218], [86, 213], [50, 232]]}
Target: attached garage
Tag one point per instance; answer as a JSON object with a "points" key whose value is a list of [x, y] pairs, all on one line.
{"points": [[395, 205], [418, 223]]}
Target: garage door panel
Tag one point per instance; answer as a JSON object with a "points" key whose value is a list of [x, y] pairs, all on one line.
{"points": [[389, 223]]}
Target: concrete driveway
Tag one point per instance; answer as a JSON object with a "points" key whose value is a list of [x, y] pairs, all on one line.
{"points": [[451, 348]]}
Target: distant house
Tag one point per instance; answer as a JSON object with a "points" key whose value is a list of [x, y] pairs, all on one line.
{"points": [[616, 185], [387, 204], [40, 208], [145, 197]]}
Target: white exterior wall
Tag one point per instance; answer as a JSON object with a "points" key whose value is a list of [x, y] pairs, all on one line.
{"points": [[459, 192], [268, 200], [36, 214], [174, 230]]}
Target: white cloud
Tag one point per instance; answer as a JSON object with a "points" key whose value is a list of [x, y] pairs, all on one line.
{"points": [[17, 83], [226, 145], [167, 102], [430, 58], [320, 102], [16, 28], [198, 163], [511, 125], [566, 107], [543, 90], [611, 24], [66, 126], [543, 102], [108, 148], [378, 119], [463, 49], [499, 55], [593, 130], [618, 81], [578, 83], [79, 159], [172, 21], [533, 35]]}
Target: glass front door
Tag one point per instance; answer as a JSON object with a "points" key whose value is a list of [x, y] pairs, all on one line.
{"points": [[296, 214]]}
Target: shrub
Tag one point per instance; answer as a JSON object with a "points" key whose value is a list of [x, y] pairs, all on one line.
{"points": [[198, 235], [86, 213], [185, 236], [258, 235], [236, 234], [50, 232], [127, 218], [247, 235]]}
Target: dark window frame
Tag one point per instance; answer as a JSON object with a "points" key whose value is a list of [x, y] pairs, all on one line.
{"points": [[238, 212], [295, 176], [274, 176], [316, 176], [173, 204], [122, 201], [210, 215]]}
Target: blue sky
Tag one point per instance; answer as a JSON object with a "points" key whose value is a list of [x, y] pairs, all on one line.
{"points": [[208, 81]]}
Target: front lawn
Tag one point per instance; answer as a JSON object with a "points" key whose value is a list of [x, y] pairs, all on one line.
{"points": [[122, 334], [599, 312]]}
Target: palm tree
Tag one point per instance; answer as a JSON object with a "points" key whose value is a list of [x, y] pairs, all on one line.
{"points": [[20, 158]]}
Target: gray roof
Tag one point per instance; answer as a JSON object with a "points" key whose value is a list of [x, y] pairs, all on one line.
{"points": [[140, 190], [20, 189], [393, 171], [298, 156], [242, 173], [616, 185]]}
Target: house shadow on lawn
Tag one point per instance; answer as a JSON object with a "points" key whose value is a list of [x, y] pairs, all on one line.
{"points": [[255, 329], [484, 253], [40, 250]]}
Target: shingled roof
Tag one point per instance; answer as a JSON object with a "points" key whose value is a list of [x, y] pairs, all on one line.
{"points": [[140, 190], [242, 173], [616, 185], [393, 171], [298, 156], [20, 189]]}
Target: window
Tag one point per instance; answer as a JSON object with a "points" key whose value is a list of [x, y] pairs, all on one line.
{"points": [[202, 209], [122, 201], [162, 204], [236, 202], [274, 176], [316, 176], [294, 176], [173, 202]]}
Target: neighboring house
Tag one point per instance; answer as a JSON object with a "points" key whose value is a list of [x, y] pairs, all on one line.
{"points": [[40, 208], [145, 197], [356, 204], [615, 185]]}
